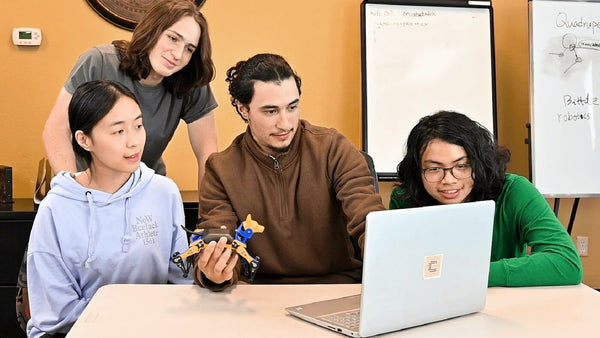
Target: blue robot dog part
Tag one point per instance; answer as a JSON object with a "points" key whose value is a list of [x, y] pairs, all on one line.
{"points": [[235, 241]]}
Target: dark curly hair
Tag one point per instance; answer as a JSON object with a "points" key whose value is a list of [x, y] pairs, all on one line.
{"points": [[488, 160], [260, 67]]}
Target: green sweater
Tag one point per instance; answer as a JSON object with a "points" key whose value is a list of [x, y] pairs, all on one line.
{"points": [[523, 218]]}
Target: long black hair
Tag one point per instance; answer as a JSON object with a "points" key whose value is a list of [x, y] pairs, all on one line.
{"points": [[90, 103], [488, 160]]}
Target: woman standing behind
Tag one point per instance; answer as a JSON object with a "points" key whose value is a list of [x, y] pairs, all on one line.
{"points": [[115, 222], [168, 66], [453, 159]]}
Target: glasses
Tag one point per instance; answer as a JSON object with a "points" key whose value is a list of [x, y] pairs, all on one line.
{"points": [[437, 174]]}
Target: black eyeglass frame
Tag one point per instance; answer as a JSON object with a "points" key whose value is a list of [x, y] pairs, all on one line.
{"points": [[450, 169]]}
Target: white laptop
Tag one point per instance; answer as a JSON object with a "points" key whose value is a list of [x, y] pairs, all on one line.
{"points": [[420, 265]]}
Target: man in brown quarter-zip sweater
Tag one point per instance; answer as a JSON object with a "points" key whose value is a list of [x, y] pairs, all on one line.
{"points": [[307, 185]]}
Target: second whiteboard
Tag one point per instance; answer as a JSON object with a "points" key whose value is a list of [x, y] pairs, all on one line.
{"points": [[418, 60]]}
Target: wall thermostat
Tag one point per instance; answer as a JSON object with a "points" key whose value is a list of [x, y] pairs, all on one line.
{"points": [[27, 36]]}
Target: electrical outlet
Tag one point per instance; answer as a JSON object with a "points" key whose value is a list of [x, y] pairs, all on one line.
{"points": [[582, 245]]}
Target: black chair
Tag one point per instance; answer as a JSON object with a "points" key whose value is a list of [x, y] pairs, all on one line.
{"points": [[371, 166], [22, 298]]}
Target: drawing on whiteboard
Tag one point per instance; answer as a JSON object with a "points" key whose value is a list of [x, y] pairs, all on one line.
{"points": [[571, 45]]}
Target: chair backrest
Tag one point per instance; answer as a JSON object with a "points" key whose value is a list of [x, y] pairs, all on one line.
{"points": [[371, 165], [22, 298]]}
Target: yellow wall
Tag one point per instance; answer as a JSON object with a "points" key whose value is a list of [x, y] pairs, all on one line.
{"points": [[321, 40]]}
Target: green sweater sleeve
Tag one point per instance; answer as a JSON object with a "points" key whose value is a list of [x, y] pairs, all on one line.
{"points": [[524, 218]]}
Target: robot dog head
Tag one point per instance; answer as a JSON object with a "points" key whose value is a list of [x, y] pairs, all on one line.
{"points": [[249, 223]]}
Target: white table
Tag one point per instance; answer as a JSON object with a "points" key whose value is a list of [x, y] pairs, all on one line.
{"points": [[258, 311]]}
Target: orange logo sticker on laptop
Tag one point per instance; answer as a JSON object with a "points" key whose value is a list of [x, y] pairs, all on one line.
{"points": [[432, 266]]}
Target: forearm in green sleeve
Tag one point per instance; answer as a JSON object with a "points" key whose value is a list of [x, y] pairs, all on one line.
{"points": [[497, 276], [535, 270]]}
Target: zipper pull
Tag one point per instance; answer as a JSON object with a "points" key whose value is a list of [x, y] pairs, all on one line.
{"points": [[275, 162]]}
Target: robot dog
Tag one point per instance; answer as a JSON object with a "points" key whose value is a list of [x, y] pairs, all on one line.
{"points": [[236, 241]]}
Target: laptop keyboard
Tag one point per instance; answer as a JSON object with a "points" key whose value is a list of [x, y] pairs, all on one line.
{"points": [[349, 320]]}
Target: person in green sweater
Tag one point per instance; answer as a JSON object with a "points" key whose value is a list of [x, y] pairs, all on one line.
{"points": [[453, 159]]}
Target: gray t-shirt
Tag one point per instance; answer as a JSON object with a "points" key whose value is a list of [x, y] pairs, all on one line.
{"points": [[161, 109]]}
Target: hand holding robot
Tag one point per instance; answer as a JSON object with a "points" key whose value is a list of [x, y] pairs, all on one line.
{"points": [[236, 241]]}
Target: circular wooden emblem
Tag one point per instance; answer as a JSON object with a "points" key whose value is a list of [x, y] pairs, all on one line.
{"points": [[125, 13]]}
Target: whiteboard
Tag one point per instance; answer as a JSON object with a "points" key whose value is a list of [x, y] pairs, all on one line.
{"points": [[565, 97], [419, 59]]}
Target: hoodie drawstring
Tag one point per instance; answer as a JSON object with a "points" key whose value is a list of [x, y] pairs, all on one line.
{"points": [[91, 231], [126, 240]]}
